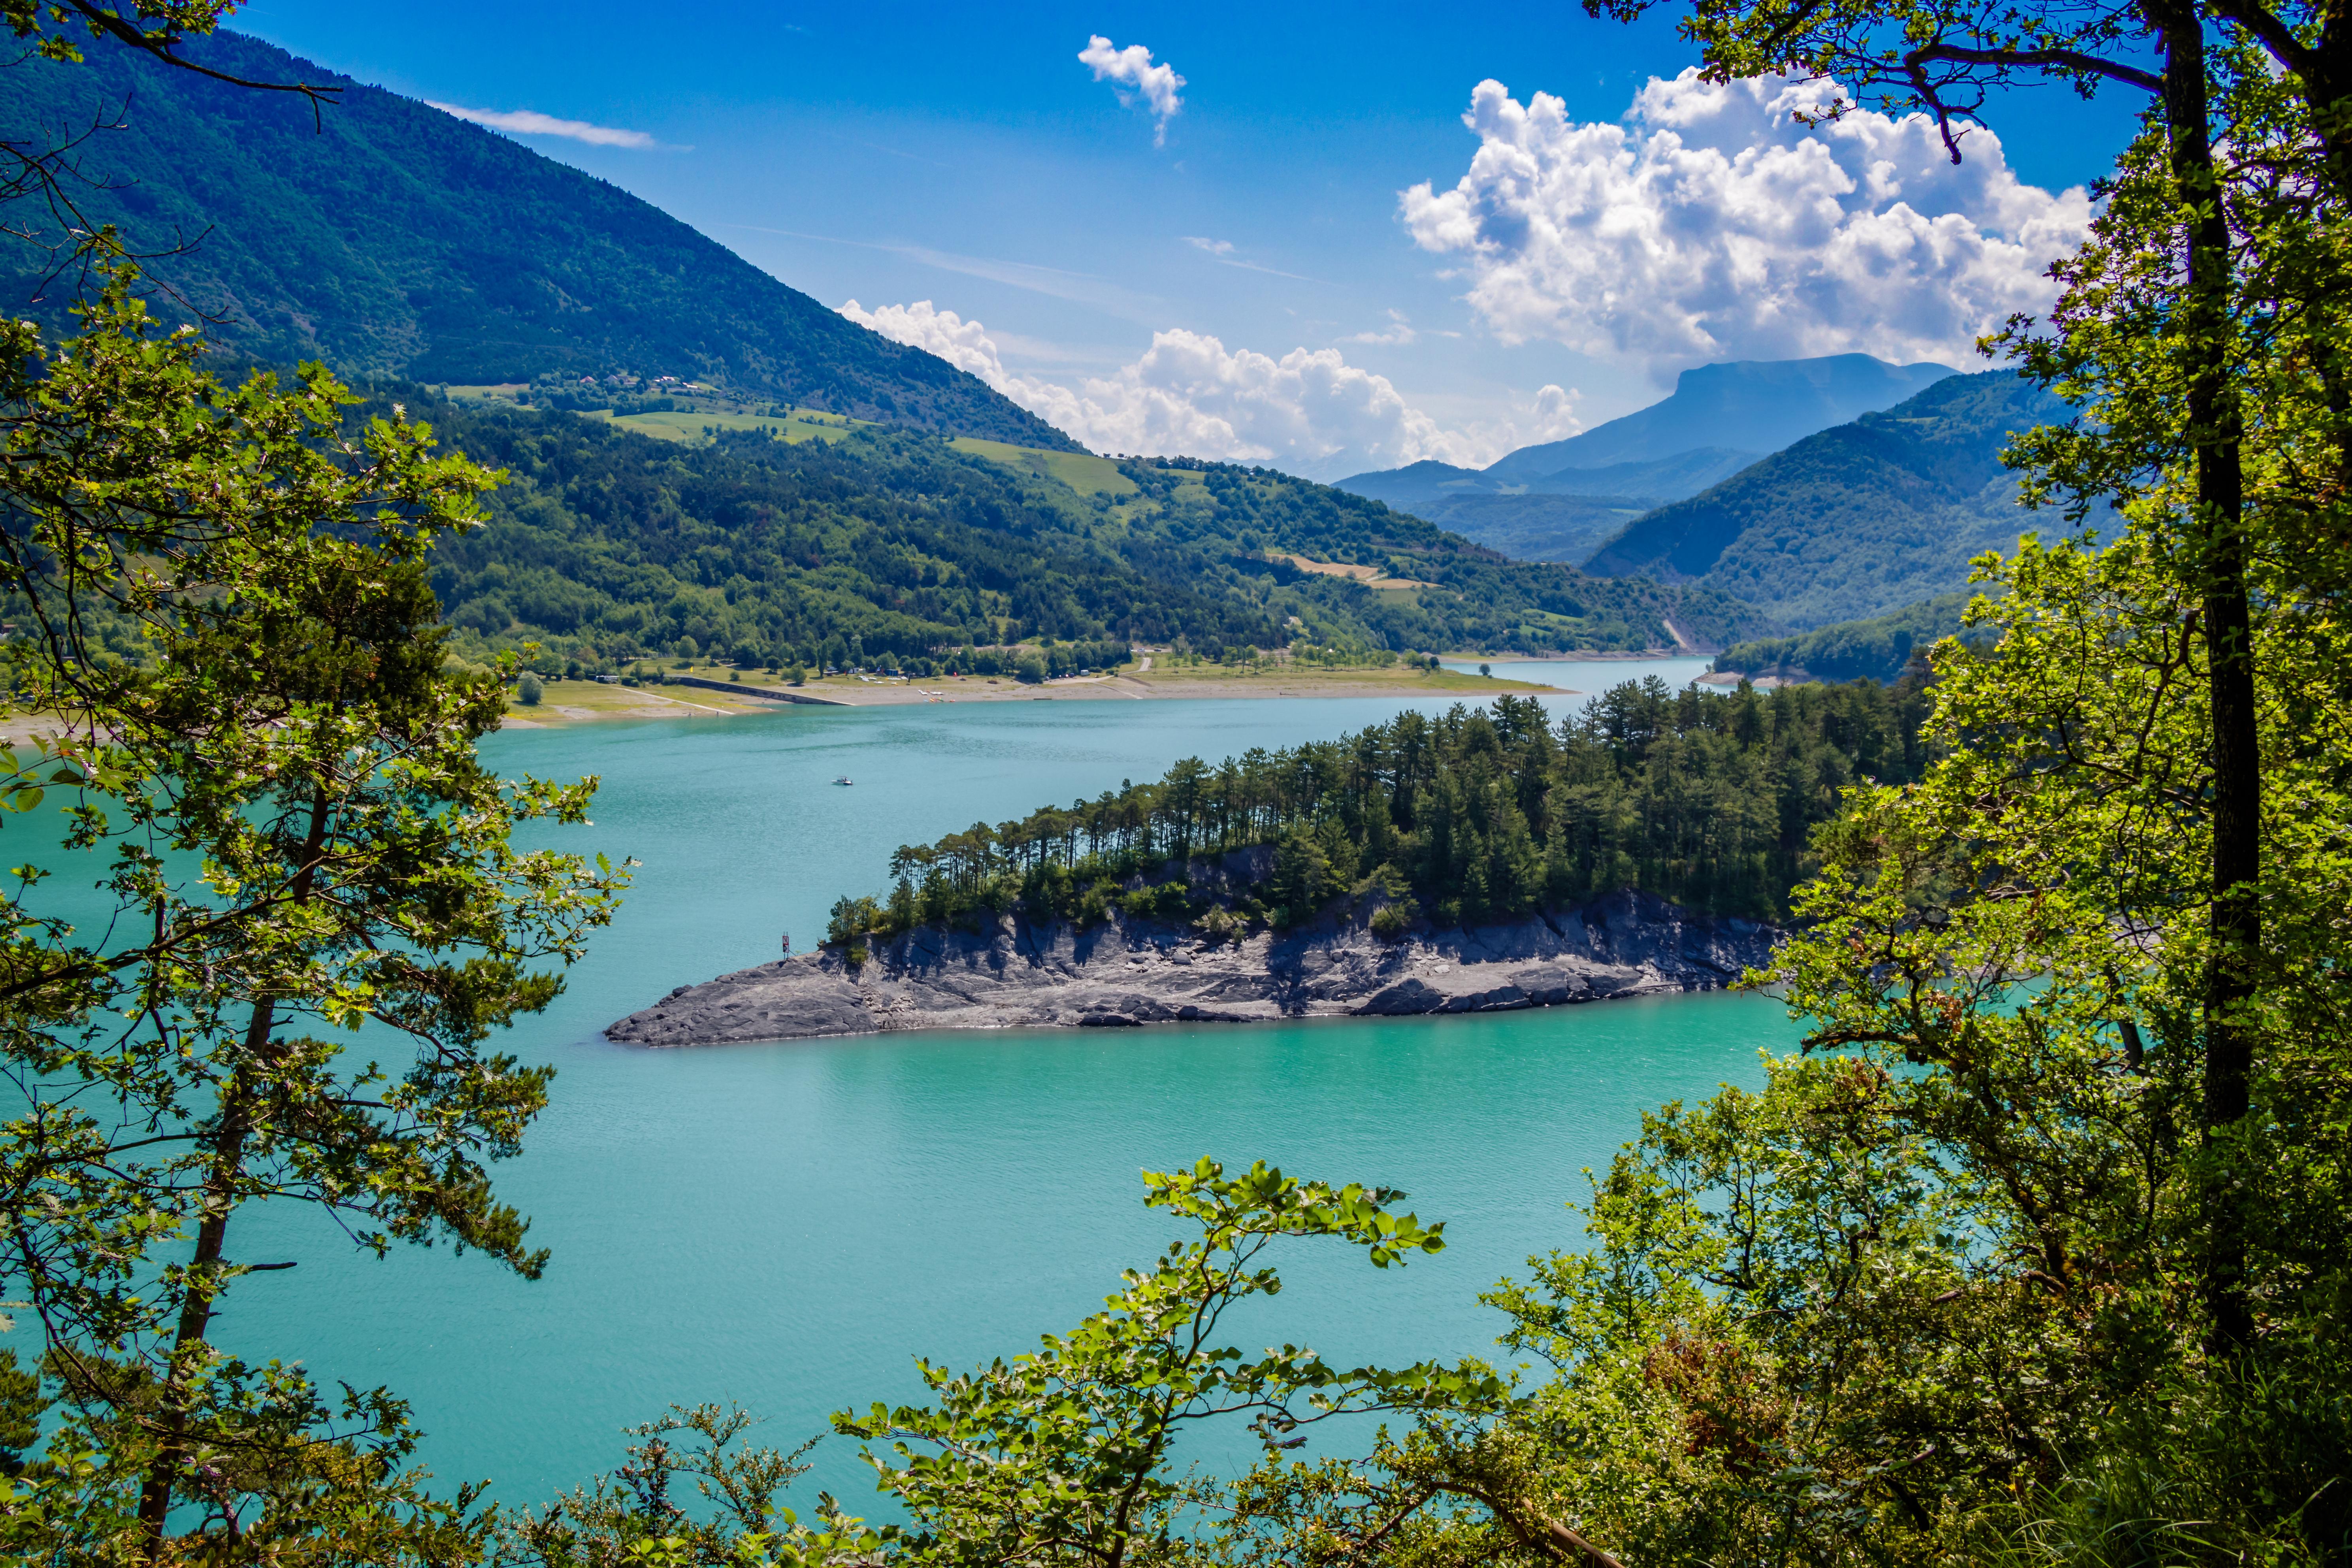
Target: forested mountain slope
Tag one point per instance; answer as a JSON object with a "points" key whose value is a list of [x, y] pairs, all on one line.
{"points": [[1878, 649], [1858, 521], [389, 239], [610, 545]]}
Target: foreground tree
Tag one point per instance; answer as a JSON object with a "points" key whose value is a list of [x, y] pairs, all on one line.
{"points": [[2282, 78], [227, 647], [2037, 1252], [297, 839], [1064, 1456]]}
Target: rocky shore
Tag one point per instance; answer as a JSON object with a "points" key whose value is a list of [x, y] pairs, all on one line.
{"points": [[1012, 973]]}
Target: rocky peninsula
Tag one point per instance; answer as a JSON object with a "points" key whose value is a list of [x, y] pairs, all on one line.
{"points": [[1010, 972]]}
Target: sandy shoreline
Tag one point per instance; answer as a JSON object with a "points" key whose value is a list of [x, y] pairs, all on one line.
{"points": [[577, 702], [568, 703]]}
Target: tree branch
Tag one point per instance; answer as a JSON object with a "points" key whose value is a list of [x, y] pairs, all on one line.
{"points": [[2065, 59], [1915, 66], [2276, 35], [160, 46], [1537, 1529]]}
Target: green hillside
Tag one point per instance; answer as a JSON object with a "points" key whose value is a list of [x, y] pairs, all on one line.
{"points": [[608, 546], [391, 239], [1879, 648], [1858, 521]]}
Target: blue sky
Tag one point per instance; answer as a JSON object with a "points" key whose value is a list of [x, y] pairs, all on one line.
{"points": [[1245, 270]]}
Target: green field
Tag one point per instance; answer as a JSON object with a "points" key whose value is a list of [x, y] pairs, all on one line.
{"points": [[689, 424], [1082, 471]]}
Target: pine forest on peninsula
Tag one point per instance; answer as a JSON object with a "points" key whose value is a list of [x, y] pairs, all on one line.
{"points": [[2039, 1250], [1703, 799]]}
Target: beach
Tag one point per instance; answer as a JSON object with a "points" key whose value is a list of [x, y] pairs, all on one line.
{"points": [[577, 702]]}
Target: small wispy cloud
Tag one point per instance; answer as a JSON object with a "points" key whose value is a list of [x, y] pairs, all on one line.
{"points": [[1131, 68], [1399, 330], [1222, 252], [1085, 288], [532, 122]]}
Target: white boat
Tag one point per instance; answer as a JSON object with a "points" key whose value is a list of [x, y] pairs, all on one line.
{"points": [[844, 779]]}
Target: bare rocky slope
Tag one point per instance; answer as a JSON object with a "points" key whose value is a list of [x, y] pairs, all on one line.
{"points": [[1124, 971]]}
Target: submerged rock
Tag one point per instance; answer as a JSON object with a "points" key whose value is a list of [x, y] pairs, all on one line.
{"points": [[1012, 973]]}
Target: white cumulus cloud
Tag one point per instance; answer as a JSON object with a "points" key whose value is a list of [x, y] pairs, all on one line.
{"points": [[532, 122], [1131, 68], [1309, 412], [1710, 224], [964, 344]]}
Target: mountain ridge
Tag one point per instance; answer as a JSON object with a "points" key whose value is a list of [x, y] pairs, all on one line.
{"points": [[1560, 501], [1752, 404], [1855, 522], [392, 240]]}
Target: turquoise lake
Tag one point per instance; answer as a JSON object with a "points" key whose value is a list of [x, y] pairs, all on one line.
{"points": [[789, 1225]]}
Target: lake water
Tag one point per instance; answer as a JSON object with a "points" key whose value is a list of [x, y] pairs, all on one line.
{"points": [[789, 1225]]}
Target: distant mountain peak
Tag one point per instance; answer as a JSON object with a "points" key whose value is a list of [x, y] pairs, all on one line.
{"points": [[1753, 406]]}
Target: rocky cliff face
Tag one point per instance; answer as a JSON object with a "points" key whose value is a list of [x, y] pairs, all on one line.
{"points": [[1016, 975]]}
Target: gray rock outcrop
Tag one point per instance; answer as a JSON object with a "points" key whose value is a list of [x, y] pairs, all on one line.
{"points": [[1012, 973]]}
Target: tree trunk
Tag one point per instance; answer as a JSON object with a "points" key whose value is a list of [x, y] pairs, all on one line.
{"points": [[239, 1101], [2215, 424], [203, 1288]]}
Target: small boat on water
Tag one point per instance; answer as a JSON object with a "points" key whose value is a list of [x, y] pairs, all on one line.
{"points": [[844, 779]]}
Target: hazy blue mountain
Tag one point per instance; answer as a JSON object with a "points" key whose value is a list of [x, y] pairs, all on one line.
{"points": [[1563, 519], [1751, 405], [1415, 483], [391, 239], [1430, 482], [1565, 528], [1670, 478], [1550, 502], [1857, 520]]}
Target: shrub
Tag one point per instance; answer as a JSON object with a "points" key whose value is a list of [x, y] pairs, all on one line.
{"points": [[1030, 668], [852, 919], [1169, 901], [1218, 924], [1389, 923], [1095, 905], [528, 689]]}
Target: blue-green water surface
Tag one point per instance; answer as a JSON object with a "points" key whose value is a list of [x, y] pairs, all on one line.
{"points": [[788, 1225]]}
